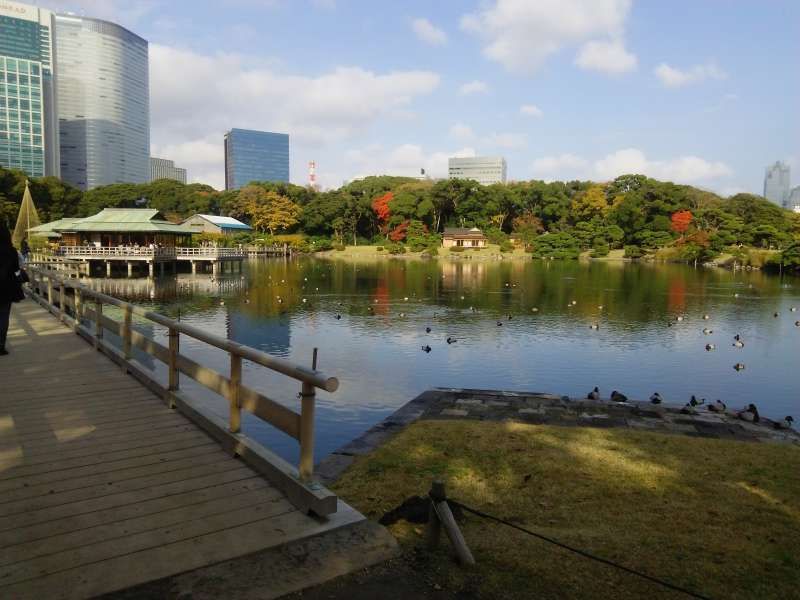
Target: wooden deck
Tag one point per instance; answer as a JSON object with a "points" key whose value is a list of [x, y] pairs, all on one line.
{"points": [[103, 487]]}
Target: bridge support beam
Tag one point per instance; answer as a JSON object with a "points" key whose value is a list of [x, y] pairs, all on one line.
{"points": [[108, 268], [130, 269]]}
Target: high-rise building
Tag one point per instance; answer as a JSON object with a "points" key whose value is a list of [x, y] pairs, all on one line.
{"points": [[103, 100], [794, 199], [161, 168], [255, 156], [486, 170], [777, 180], [28, 126]]}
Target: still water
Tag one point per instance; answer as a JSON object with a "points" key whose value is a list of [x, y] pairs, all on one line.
{"points": [[523, 325]]}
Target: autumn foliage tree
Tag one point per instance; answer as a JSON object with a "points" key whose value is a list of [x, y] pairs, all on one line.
{"points": [[380, 207], [681, 221]]}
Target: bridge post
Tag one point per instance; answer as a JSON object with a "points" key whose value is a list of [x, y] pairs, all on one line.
{"points": [[174, 348], [215, 268], [126, 333], [98, 323], [108, 268], [194, 267], [78, 307], [62, 301], [50, 291], [150, 269], [130, 268], [234, 393]]}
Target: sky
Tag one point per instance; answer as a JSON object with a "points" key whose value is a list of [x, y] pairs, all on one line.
{"points": [[704, 92]]}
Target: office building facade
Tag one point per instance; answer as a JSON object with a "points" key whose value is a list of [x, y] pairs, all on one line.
{"points": [[777, 181], [255, 156], [103, 100], [161, 168], [486, 170], [794, 199], [28, 125]]}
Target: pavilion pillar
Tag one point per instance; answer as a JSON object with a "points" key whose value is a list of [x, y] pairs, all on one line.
{"points": [[215, 268], [150, 269], [130, 269], [194, 267], [108, 268], [162, 269]]}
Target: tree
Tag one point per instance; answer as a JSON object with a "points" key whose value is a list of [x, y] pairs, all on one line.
{"points": [[274, 212], [590, 203], [381, 207], [681, 221], [27, 218]]}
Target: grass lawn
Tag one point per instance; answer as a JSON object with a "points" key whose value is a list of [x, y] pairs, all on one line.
{"points": [[719, 517]]}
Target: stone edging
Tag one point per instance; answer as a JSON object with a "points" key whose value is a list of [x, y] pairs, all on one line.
{"points": [[525, 407]]}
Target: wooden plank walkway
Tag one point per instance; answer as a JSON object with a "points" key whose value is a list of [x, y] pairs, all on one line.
{"points": [[103, 487]]}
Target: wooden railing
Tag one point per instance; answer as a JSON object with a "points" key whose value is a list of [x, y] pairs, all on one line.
{"points": [[76, 304], [116, 251], [209, 252]]}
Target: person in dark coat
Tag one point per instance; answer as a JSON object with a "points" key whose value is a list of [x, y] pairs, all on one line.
{"points": [[10, 287]]}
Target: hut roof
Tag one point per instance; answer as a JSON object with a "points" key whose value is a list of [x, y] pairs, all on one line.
{"points": [[125, 220]]}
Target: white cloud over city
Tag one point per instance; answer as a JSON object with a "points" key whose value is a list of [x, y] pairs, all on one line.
{"points": [[428, 32], [521, 35], [192, 104], [473, 87], [681, 169]]}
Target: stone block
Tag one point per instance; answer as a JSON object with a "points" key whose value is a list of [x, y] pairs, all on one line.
{"points": [[454, 412]]}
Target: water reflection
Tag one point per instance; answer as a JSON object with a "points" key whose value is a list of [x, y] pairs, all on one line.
{"points": [[543, 343]]}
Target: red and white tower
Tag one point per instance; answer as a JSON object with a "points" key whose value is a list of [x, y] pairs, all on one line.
{"points": [[312, 175]]}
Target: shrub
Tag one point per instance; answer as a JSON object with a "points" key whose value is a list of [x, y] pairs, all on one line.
{"points": [[395, 248], [496, 236], [320, 244], [380, 249], [432, 251], [506, 246], [338, 247], [456, 248], [633, 252], [600, 248]]}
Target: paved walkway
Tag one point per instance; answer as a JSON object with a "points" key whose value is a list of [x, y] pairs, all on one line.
{"points": [[103, 487]]}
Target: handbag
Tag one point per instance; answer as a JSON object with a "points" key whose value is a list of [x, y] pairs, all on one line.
{"points": [[22, 277]]}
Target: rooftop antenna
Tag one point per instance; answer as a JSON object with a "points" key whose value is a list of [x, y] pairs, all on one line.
{"points": [[312, 175]]}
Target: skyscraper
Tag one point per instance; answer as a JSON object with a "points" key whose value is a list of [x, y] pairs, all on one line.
{"points": [[161, 168], [486, 170], [255, 156], [28, 126], [777, 181], [103, 99]]}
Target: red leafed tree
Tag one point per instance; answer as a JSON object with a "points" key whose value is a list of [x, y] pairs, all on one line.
{"points": [[681, 221], [381, 207], [398, 234]]}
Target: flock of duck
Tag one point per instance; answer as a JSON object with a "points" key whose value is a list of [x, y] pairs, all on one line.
{"points": [[692, 407]]}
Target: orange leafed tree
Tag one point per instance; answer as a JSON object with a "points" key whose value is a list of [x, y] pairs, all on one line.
{"points": [[398, 234], [380, 206], [681, 221]]}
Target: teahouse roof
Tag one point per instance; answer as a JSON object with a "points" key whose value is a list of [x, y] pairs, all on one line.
{"points": [[146, 220], [463, 232], [224, 222], [49, 229]]}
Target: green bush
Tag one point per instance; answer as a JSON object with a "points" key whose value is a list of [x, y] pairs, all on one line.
{"points": [[320, 244], [632, 251], [338, 247], [600, 248], [496, 236], [380, 249], [432, 251], [506, 246], [395, 248], [456, 248]]}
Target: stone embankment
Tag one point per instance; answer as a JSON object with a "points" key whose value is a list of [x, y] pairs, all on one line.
{"points": [[535, 408]]}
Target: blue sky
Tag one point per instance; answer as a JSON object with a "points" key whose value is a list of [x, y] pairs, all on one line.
{"points": [[701, 92]]}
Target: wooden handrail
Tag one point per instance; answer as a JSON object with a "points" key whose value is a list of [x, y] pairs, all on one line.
{"points": [[300, 426]]}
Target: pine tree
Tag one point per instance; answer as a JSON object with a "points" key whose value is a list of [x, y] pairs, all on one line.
{"points": [[27, 218]]}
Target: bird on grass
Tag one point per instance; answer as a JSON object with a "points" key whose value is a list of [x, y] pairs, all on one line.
{"points": [[749, 414], [656, 398], [594, 394], [718, 406], [785, 423], [618, 397]]}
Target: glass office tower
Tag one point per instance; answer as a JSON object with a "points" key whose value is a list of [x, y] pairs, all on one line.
{"points": [[255, 156], [777, 183], [102, 89], [28, 127]]}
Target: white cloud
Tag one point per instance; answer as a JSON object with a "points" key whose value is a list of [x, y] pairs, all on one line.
{"points": [[673, 77], [335, 105], [607, 56], [428, 32], [522, 34], [530, 110], [473, 87], [510, 141], [463, 132], [682, 169], [406, 159]]}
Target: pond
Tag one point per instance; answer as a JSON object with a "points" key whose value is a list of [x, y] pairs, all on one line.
{"points": [[518, 325]]}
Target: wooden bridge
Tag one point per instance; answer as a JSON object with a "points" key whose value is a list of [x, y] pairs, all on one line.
{"points": [[109, 480]]}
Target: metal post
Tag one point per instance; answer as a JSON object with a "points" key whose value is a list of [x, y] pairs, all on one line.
{"points": [[235, 393], [126, 333]]}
